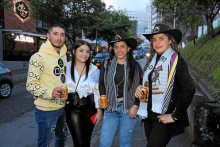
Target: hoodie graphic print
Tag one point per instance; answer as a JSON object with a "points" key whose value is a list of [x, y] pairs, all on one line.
{"points": [[47, 70]]}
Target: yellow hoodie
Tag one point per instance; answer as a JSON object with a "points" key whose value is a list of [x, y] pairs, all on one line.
{"points": [[47, 70]]}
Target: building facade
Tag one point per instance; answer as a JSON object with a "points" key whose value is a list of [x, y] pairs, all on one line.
{"points": [[143, 19], [20, 35]]}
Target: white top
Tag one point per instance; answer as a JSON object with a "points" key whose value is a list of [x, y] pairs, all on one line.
{"points": [[90, 85]]}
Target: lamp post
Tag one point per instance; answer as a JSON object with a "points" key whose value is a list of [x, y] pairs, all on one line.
{"points": [[96, 37], [174, 19]]}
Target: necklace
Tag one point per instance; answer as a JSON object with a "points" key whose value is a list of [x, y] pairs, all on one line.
{"points": [[116, 85]]}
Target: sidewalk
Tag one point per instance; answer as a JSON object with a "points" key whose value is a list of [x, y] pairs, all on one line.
{"points": [[138, 139]]}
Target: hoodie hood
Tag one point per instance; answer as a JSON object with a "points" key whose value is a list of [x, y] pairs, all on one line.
{"points": [[49, 49]]}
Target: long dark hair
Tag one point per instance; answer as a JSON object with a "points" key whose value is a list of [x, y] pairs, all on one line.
{"points": [[130, 63], [77, 44]]}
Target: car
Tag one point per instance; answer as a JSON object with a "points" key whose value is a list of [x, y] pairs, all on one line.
{"points": [[6, 82], [136, 55], [69, 56], [144, 49], [99, 57], [141, 53]]}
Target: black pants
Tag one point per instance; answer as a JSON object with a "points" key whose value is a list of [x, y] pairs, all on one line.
{"points": [[80, 126], [156, 133]]}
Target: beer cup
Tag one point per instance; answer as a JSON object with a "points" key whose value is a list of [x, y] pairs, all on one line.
{"points": [[144, 94], [64, 93], [104, 102]]}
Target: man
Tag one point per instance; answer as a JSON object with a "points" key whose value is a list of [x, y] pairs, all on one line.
{"points": [[46, 76]]}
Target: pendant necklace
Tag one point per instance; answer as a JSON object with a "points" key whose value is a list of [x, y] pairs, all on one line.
{"points": [[116, 85]]}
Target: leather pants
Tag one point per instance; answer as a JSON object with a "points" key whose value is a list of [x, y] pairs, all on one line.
{"points": [[80, 126]]}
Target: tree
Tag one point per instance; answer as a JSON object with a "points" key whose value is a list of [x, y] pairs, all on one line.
{"points": [[4, 4], [73, 14], [179, 14], [189, 12], [87, 15], [208, 8], [109, 24]]}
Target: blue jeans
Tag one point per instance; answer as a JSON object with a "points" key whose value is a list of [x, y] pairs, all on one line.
{"points": [[50, 122], [113, 120]]}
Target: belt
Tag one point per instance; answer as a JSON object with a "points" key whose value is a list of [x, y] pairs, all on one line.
{"points": [[119, 100]]}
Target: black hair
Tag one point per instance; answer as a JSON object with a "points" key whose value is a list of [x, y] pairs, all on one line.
{"points": [[130, 63], [55, 25], [77, 44]]}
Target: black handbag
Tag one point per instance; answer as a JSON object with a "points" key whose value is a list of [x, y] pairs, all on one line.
{"points": [[73, 99], [86, 104]]}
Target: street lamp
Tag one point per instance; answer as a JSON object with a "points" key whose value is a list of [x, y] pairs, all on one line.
{"points": [[96, 37]]}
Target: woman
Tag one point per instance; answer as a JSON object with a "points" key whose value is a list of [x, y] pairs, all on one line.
{"points": [[119, 78], [170, 87], [82, 77]]}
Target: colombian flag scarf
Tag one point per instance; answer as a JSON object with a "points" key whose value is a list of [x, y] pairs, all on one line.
{"points": [[162, 82]]}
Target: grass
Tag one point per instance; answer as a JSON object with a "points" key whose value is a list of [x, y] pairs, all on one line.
{"points": [[204, 56]]}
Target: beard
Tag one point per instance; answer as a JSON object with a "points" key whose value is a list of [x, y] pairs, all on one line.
{"points": [[56, 46]]}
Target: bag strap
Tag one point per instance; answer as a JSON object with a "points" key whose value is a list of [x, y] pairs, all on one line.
{"points": [[105, 63], [80, 77]]}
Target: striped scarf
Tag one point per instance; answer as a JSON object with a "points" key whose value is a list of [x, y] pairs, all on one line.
{"points": [[128, 92], [162, 82]]}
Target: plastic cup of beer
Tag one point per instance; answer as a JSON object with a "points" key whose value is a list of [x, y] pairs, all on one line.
{"points": [[104, 102], [144, 94], [64, 93]]}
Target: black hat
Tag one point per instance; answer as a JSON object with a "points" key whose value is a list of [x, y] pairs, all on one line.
{"points": [[162, 28], [131, 42]]}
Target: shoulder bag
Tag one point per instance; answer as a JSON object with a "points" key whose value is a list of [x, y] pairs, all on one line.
{"points": [[73, 99]]}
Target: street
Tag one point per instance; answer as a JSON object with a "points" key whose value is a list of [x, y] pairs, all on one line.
{"points": [[17, 104], [14, 129], [18, 127]]}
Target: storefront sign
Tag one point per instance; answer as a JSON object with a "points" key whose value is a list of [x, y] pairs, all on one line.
{"points": [[23, 38], [22, 10]]}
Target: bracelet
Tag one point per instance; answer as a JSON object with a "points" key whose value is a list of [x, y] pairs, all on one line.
{"points": [[174, 119]]}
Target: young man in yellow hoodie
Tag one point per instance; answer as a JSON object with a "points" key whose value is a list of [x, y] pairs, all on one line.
{"points": [[46, 76]]}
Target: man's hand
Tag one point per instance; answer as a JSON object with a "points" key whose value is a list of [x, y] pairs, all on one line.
{"points": [[56, 92]]}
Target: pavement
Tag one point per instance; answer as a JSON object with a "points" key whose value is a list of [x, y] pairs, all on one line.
{"points": [[138, 140]]}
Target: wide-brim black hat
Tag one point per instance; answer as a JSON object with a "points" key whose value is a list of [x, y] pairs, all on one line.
{"points": [[131, 42], [162, 28]]}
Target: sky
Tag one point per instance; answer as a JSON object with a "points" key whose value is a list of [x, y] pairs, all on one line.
{"points": [[129, 5]]}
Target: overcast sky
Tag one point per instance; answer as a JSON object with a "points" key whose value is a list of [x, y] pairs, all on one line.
{"points": [[129, 5]]}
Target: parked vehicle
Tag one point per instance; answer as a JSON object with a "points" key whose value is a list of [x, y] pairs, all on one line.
{"points": [[6, 83], [136, 55], [141, 53], [144, 49], [69, 55], [97, 60]]}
